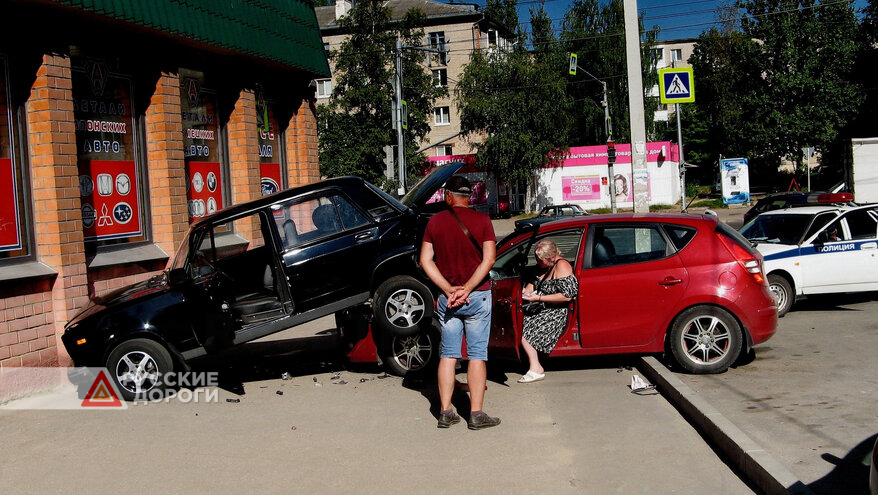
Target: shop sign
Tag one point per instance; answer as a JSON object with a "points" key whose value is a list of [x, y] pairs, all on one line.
{"points": [[108, 173], [200, 146]]}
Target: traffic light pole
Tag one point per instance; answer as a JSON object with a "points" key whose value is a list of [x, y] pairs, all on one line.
{"points": [[400, 139], [608, 128]]}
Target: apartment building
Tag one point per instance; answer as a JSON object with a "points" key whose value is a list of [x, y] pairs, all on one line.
{"points": [[456, 29]]}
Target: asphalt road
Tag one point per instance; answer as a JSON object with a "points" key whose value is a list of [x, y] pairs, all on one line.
{"points": [[334, 430], [808, 396]]}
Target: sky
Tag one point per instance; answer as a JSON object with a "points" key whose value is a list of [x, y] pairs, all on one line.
{"points": [[677, 19]]}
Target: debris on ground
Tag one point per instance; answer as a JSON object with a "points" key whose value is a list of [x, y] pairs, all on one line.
{"points": [[279, 392], [233, 400], [285, 376], [341, 382]]}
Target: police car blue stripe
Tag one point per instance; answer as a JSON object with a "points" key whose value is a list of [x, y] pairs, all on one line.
{"points": [[838, 247]]}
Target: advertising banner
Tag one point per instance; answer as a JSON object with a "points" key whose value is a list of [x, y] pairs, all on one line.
{"points": [[108, 190], [108, 175], [735, 180], [581, 188], [200, 146]]}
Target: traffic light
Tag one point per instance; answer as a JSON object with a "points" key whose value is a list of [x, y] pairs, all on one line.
{"points": [[611, 151]]}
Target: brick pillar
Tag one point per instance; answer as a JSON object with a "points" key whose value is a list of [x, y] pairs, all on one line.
{"points": [[55, 182], [167, 169], [303, 164], [244, 153]]}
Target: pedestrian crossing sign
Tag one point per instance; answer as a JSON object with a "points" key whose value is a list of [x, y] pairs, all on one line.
{"points": [[676, 85]]}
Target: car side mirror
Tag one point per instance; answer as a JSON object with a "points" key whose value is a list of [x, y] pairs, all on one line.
{"points": [[176, 276]]}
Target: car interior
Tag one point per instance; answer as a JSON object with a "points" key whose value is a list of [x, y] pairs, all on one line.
{"points": [[248, 275]]}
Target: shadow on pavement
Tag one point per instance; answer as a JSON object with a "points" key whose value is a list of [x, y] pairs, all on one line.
{"points": [[258, 361], [850, 474]]}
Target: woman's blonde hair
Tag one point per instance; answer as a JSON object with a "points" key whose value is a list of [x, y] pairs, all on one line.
{"points": [[546, 249]]}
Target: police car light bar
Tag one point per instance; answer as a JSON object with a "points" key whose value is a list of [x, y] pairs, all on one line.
{"points": [[822, 198]]}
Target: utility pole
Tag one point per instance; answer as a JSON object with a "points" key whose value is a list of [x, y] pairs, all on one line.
{"points": [[400, 110], [639, 172]]}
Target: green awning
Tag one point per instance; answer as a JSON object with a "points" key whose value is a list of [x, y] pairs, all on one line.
{"points": [[284, 31]]}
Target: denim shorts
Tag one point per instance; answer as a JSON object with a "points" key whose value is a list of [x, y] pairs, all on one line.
{"points": [[474, 318]]}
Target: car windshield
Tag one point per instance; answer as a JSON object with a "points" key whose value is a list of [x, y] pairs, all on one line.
{"points": [[780, 229], [182, 252]]}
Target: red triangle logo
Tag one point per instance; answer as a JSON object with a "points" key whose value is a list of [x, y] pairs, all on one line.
{"points": [[101, 393]]}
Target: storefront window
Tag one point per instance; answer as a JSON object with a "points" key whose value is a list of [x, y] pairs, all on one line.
{"points": [[110, 183], [13, 238], [202, 147], [271, 150]]}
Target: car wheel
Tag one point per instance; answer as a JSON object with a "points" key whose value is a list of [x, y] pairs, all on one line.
{"points": [[782, 292], [412, 354], [139, 366], [705, 339], [401, 304]]}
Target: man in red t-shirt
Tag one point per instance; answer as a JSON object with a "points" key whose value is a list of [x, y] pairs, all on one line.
{"points": [[457, 253]]}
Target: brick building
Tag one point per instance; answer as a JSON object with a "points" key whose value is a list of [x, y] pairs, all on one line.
{"points": [[122, 121]]}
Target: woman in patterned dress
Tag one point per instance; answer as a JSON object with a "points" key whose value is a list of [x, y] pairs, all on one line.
{"points": [[556, 287]]}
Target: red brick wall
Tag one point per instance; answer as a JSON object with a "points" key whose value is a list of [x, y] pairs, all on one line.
{"points": [[165, 162], [33, 314], [59, 239], [303, 167]]}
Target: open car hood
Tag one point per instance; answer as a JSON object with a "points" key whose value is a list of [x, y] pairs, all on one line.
{"points": [[421, 192]]}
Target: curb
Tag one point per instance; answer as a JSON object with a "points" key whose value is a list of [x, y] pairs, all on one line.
{"points": [[757, 465]]}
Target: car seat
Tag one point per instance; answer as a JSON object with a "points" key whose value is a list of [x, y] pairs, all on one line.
{"points": [[259, 306], [604, 252], [325, 219], [291, 236]]}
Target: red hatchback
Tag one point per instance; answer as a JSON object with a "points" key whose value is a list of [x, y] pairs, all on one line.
{"points": [[684, 285]]}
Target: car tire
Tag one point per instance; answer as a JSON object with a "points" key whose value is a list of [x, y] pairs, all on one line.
{"points": [[401, 304], [418, 353], [705, 339], [139, 368], [783, 293]]}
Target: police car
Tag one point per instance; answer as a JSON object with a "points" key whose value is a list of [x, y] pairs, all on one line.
{"points": [[817, 249]]}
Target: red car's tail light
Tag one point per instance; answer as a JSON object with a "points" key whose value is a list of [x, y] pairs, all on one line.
{"points": [[750, 262]]}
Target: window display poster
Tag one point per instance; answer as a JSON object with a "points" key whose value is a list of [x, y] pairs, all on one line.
{"points": [[205, 189], [108, 190], [270, 173], [269, 156], [581, 188], [108, 178], [10, 231], [200, 146]]}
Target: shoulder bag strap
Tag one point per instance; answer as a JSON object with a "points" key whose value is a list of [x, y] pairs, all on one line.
{"points": [[466, 231]]}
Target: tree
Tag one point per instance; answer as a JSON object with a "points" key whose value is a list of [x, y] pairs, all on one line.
{"points": [[597, 35], [361, 100], [517, 100], [804, 59], [719, 121]]}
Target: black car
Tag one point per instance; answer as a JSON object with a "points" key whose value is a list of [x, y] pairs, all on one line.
{"points": [[261, 267], [550, 213]]}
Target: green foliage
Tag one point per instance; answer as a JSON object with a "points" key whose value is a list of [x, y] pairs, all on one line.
{"points": [[597, 35], [361, 100], [519, 101], [781, 82]]}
